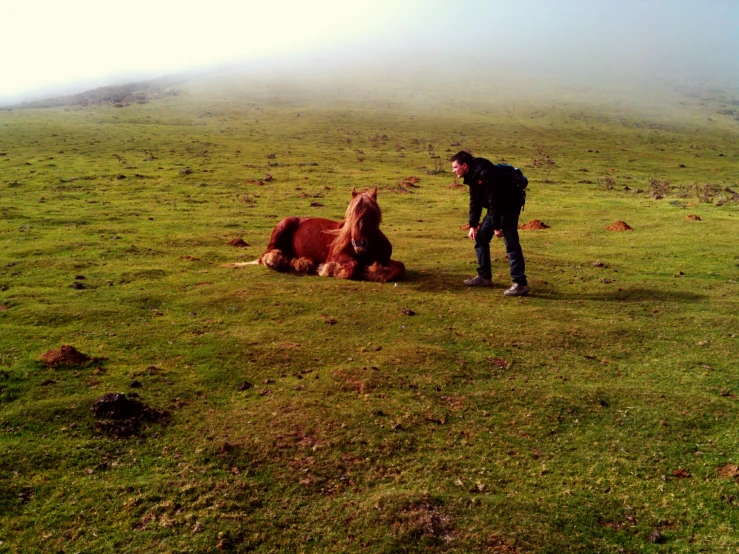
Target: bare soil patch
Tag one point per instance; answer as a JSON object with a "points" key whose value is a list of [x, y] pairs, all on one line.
{"points": [[692, 217], [420, 519], [619, 226], [533, 225], [728, 471], [118, 416]]}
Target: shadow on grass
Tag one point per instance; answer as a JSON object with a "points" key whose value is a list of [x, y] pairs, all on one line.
{"points": [[636, 294], [425, 282]]}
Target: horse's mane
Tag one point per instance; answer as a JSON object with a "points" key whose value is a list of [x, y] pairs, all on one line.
{"points": [[363, 203]]}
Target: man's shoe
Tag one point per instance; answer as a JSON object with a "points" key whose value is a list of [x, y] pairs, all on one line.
{"points": [[516, 290], [478, 281]]}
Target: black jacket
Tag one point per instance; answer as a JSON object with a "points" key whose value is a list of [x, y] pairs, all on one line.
{"points": [[489, 190]]}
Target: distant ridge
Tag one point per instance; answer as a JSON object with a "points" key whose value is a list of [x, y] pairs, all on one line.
{"points": [[120, 95]]}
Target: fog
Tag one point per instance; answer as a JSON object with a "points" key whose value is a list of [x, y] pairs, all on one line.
{"points": [[54, 48]]}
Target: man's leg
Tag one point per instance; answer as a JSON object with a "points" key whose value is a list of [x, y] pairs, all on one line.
{"points": [[513, 248], [482, 248]]}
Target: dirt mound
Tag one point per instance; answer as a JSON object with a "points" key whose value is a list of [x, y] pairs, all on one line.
{"points": [[409, 182], [238, 242], [534, 224], [119, 416], [66, 356], [728, 471], [692, 217], [619, 226]]}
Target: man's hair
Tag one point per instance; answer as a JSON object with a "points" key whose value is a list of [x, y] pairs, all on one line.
{"points": [[462, 157]]}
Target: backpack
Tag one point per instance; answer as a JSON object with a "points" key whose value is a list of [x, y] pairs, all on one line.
{"points": [[515, 178]]}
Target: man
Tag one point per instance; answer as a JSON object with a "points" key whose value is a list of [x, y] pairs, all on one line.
{"points": [[488, 189]]}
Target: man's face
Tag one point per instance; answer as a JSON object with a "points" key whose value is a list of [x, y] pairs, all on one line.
{"points": [[460, 170]]}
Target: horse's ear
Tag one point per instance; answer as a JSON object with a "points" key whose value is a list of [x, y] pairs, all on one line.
{"points": [[354, 192], [373, 193]]}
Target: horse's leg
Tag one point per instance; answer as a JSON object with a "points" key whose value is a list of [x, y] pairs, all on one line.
{"points": [[393, 271], [303, 265], [342, 266], [278, 254], [274, 259]]}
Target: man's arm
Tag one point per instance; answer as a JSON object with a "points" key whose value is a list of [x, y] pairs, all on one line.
{"points": [[492, 190], [476, 202]]}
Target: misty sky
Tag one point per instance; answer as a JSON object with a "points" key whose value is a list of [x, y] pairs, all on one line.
{"points": [[55, 47]]}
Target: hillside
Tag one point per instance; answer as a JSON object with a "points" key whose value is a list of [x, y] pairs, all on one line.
{"points": [[154, 400]]}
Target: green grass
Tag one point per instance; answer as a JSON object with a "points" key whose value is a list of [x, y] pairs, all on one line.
{"points": [[553, 423]]}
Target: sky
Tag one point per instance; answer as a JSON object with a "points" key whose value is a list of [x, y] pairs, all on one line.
{"points": [[51, 47]]}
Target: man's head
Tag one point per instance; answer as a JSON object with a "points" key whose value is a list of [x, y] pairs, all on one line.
{"points": [[461, 163]]}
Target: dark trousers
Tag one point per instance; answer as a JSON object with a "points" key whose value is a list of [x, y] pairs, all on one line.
{"points": [[509, 223]]}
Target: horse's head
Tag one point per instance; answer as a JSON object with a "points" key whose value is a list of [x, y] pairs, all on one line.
{"points": [[362, 220]]}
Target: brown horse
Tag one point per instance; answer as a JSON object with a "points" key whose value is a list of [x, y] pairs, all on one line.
{"points": [[353, 248]]}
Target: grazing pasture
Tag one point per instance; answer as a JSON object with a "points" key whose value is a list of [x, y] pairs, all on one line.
{"points": [[271, 412]]}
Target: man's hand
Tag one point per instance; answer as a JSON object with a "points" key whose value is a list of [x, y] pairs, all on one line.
{"points": [[473, 233], [498, 233]]}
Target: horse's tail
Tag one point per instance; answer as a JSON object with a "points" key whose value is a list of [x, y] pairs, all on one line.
{"points": [[242, 264]]}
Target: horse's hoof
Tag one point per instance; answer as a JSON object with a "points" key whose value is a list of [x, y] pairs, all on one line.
{"points": [[329, 269], [275, 260]]}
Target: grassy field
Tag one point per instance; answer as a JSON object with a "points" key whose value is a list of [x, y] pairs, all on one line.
{"points": [[598, 414]]}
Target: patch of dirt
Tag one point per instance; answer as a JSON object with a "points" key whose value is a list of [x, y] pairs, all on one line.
{"points": [[498, 545], [619, 226], [421, 519], [238, 242], [533, 225], [118, 416], [728, 471], [67, 356], [453, 402], [681, 473], [397, 189], [455, 186], [3, 307], [692, 217], [656, 537], [409, 182]]}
